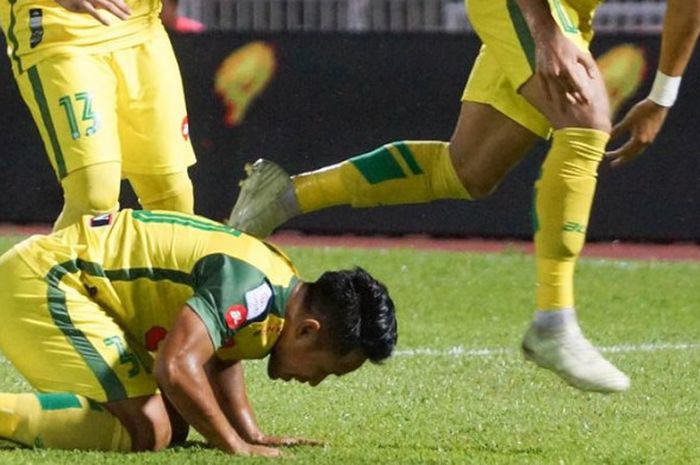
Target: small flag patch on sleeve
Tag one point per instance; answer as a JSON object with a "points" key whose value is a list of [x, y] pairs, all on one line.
{"points": [[101, 220]]}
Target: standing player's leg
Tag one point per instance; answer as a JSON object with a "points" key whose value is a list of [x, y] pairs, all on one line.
{"points": [[91, 190], [485, 145], [71, 99], [563, 198], [163, 192], [153, 125]]}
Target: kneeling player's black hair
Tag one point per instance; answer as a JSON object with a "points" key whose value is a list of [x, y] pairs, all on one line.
{"points": [[357, 310]]}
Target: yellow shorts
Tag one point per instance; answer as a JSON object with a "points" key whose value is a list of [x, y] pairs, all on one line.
{"points": [[62, 341], [127, 105], [507, 56]]}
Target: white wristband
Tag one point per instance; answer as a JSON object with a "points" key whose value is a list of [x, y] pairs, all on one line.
{"points": [[665, 89]]}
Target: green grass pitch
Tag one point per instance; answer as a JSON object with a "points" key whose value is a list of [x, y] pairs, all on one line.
{"points": [[458, 392]]}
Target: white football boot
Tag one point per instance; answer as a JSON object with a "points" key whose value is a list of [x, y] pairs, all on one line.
{"points": [[564, 349], [266, 200]]}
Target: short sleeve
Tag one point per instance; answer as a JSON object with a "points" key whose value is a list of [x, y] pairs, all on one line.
{"points": [[229, 294]]}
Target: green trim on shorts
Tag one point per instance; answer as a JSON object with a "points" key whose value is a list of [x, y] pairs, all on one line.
{"points": [[56, 299], [378, 166], [523, 32], [564, 19], [407, 156], [145, 216], [58, 401], [40, 98], [13, 38]]}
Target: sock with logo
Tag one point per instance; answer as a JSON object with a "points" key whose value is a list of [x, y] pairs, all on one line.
{"points": [[60, 421], [563, 199], [396, 173]]}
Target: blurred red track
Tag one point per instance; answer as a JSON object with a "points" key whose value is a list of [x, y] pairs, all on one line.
{"points": [[610, 250]]}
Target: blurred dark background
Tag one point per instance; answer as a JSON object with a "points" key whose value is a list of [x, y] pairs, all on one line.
{"points": [[339, 94]]}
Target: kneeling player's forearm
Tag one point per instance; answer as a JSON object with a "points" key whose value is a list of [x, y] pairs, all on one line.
{"points": [[231, 393], [190, 392]]}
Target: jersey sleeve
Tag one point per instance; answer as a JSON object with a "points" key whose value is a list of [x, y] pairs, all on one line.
{"points": [[229, 295]]}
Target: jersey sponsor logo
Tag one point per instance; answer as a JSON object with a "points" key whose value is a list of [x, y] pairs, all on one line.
{"points": [[36, 27], [185, 128], [273, 329], [101, 220], [235, 316], [258, 300], [153, 337], [572, 226]]}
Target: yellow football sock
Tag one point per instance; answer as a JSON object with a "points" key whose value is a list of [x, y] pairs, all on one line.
{"points": [[397, 173], [60, 421], [563, 199]]}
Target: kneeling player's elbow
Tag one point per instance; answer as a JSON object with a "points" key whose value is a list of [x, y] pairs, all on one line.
{"points": [[168, 372]]}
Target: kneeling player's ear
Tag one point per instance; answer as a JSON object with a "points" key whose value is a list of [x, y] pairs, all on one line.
{"points": [[308, 329]]}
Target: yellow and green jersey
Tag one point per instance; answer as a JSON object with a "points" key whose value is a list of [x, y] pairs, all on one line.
{"points": [[142, 268], [37, 29]]}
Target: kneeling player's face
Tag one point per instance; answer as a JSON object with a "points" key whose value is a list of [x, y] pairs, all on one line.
{"points": [[310, 365]]}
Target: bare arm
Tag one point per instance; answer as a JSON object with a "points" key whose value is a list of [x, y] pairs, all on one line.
{"points": [[229, 378], [644, 120], [117, 7], [561, 66], [180, 372], [681, 29]]}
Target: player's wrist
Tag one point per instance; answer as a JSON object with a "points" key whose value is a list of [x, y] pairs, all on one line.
{"points": [[664, 91]]}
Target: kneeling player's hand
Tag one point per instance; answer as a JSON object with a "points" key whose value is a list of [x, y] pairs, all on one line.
{"points": [[284, 441], [261, 451]]}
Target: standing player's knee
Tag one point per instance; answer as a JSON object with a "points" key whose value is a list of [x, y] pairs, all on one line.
{"points": [[93, 189], [595, 115], [479, 188], [172, 192], [479, 180], [102, 200]]}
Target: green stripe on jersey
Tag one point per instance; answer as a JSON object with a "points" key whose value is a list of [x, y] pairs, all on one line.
{"points": [[523, 32], [407, 156], [40, 98], [58, 401], [193, 222], [378, 166]]}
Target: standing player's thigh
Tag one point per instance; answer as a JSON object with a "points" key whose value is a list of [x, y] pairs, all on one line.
{"points": [[60, 340], [153, 123], [507, 58], [72, 101]]}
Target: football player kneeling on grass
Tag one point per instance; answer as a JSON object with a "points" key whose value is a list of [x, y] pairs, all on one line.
{"points": [[132, 326]]}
